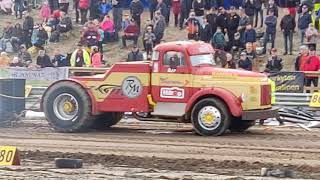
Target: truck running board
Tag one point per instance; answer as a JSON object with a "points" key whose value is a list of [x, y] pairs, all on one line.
{"points": [[157, 118]]}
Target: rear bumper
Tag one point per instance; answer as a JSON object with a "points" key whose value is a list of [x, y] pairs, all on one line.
{"points": [[260, 114]]}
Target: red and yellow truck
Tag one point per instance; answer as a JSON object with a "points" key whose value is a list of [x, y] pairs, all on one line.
{"points": [[181, 83]]}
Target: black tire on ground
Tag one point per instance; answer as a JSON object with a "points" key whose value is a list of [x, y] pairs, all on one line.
{"points": [[221, 107], [238, 125], [83, 117], [68, 163], [106, 120]]}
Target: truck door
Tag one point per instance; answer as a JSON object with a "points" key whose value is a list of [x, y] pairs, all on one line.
{"points": [[171, 84]]}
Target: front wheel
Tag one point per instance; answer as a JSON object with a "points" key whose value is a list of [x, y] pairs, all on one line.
{"points": [[210, 116]]}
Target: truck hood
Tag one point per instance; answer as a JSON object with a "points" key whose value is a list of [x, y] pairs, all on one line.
{"points": [[228, 73]]}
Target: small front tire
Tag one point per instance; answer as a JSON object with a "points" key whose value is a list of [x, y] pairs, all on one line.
{"points": [[210, 117]]}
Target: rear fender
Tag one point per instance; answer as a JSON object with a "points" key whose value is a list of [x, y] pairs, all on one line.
{"points": [[229, 98], [93, 102]]}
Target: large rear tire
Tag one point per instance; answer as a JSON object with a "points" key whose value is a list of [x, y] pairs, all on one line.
{"points": [[68, 107], [106, 120], [210, 116], [238, 125]]}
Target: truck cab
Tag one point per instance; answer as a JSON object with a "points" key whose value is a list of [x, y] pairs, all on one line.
{"points": [[181, 83]]}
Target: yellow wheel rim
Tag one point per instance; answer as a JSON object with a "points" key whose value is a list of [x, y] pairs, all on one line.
{"points": [[68, 107]]}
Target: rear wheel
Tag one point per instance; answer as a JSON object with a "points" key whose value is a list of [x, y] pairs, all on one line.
{"points": [[238, 125], [210, 116], [106, 120], [67, 107]]}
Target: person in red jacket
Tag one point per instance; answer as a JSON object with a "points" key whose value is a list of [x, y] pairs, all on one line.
{"points": [[83, 6], [311, 64], [131, 32], [176, 8]]}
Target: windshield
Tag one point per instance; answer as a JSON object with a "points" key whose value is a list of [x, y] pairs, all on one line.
{"points": [[203, 59]]}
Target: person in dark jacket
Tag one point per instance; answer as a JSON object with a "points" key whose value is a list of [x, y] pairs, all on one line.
{"points": [[274, 63], [212, 20], [244, 62], [24, 56], [270, 34], [59, 60], [272, 6], [65, 24], [159, 25], [168, 5], [205, 32], [42, 37], [244, 20], [18, 8], [162, 7], [135, 55], [136, 9], [152, 7], [222, 19], [94, 9], [198, 7], [303, 22], [186, 6], [249, 8], [287, 26], [117, 9], [27, 27], [258, 10], [17, 36], [43, 60], [250, 34], [232, 25]]}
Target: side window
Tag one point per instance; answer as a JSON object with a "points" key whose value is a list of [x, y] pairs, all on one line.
{"points": [[175, 56]]}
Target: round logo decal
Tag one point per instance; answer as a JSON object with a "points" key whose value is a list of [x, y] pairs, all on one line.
{"points": [[131, 87]]}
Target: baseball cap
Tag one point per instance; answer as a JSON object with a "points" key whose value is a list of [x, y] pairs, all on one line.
{"points": [[243, 54]]}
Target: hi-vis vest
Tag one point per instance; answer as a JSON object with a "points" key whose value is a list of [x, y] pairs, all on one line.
{"points": [[273, 90]]}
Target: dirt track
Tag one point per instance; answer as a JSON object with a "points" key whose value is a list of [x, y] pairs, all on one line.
{"points": [[170, 147]]}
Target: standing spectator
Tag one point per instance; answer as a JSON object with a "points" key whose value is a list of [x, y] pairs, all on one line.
{"points": [[135, 55], [4, 60], [230, 64], [218, 40], [245, 63], [212, 20], [198, 7], [168, 5], [17, 36], [162, 7], [91, 35], [312, 63], [303, 22], [130, 33], [24, 56], [258, 10], [148, 40], [184, 11], [42, 37], [117, 6], [64, 5], [18, 8], [205, 32], [176, 8], [96, 57], [152, 7], [27, 29], [312, 36], [249, 8], [45, 11], [159, 25], [232, 25], [272, 6], [6, 37], [193, 26], [59, 60], [287, 26], [76, 9], [54, 4], [222, 19], [136, 9], [43, 60], [83, 6], [104, 8], [80, 57], [94, 9], [274, 63], [244, 20], [270, 34], [250, 35], [301, 58]]}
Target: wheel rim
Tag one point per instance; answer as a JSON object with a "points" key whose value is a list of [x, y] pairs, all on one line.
{"points": [[209, 118], [65, 107]]}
